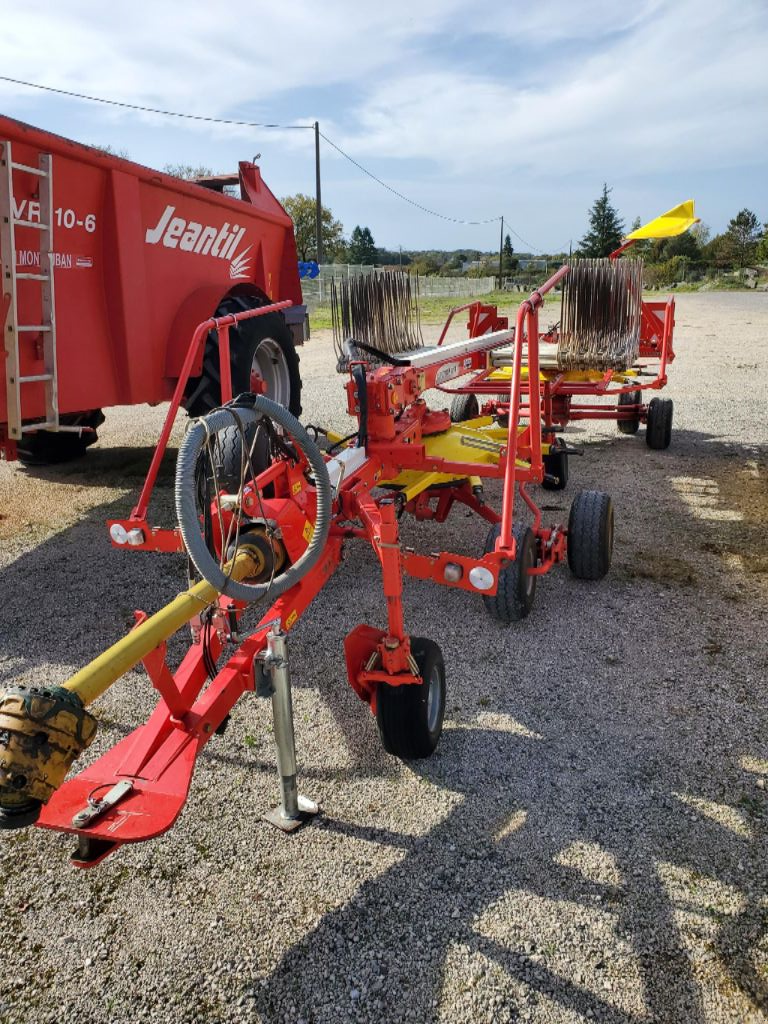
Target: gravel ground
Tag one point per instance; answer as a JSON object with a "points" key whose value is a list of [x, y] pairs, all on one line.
{"points": [[588, 842]]}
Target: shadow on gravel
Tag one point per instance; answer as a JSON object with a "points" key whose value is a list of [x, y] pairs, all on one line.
{"points": [[586, 863], [455, 907]]}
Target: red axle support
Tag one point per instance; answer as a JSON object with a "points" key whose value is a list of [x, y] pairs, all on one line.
{"points": [[222, 326]]}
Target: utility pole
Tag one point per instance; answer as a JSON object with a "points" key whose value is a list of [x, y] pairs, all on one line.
{"points": [[318, 199], [501, 249]]}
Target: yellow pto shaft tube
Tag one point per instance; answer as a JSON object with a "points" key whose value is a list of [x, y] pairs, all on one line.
{"points": [[44, 728], [94, 679]]}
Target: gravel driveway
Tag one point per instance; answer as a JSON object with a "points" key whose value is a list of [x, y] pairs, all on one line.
{"points": [[588, 842]]}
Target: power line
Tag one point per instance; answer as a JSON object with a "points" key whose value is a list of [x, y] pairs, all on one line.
{"points": [[424, 209], [150, 110], [533, 248], [259, 124]]}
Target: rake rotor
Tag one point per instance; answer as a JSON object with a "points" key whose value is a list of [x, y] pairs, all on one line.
{"points": [[380, 309], [600, 315]]}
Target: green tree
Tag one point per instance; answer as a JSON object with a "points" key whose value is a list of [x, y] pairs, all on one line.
{"points": [[762, 247], [301, 210], [110, 151], [362, 248], [606, 228], [187, 172], [508, 258], [718, 251], [742, 236]]}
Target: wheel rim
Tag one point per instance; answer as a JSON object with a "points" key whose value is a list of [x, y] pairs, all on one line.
{"points": [[433, 699], [269, 363]]}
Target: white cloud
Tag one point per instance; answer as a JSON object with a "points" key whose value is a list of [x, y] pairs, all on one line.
{"points": [[469, 107]]}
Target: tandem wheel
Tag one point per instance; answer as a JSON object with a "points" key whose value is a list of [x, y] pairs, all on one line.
{"points": [[464, 407], [629, 398], [590, 535], [514, 596], [658, 431], [410, 716]]}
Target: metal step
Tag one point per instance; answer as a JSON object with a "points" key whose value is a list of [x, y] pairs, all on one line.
{"points": [[12, 330], [29, 170]]}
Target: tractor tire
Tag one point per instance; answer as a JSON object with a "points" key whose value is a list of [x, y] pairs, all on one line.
{"points": [[516, 591], [629, 426], [410, 716], [464, 407], [49, 447], [658, 430], [261, 347], [556, 468], [590, 535]]}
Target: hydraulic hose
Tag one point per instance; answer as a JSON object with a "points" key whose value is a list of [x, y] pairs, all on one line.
{"points": [[186, 504]]}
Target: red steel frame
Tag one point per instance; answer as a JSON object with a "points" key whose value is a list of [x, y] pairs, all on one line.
{"points": [[561, 398], [159, 757]]}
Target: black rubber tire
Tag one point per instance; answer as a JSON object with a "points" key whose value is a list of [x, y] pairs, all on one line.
{"points": [[204, 393], [406, 727], [590, 535], [658, 430], [228, 455], [516, 591], [629, 426], [464, 407], [556, 467], [48, 447]]}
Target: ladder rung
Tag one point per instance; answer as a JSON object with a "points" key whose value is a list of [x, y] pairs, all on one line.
{"points": [[32, 277], [27, 427], [30, 224], [36, 377], [30, 170], [34, 327]]}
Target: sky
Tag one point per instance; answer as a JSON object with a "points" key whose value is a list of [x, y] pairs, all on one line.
{"points": [[472, 109]]}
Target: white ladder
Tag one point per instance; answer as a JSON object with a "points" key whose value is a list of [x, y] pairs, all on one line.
{"points": [[13, 330]]}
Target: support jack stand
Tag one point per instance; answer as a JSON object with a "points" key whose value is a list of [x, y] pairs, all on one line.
{"points": [[294, 810]]}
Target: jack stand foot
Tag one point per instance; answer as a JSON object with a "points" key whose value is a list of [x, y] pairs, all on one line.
{"points": [[294, 810], [306, 812]]}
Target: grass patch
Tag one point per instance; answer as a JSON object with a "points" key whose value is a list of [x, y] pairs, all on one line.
{"points": [[434, 309]]}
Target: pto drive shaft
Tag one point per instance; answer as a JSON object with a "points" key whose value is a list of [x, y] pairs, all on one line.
{"points": [[43, 729]]}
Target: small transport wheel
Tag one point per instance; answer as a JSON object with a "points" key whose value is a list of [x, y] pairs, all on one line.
{"points": [[629, 398], [590, 535], [464, 407], [658, 431], [513, 599], [260, 347], [556, 467], [410, 716], [228, 456], [52, 447]]}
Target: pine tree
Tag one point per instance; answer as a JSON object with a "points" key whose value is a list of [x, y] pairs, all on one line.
{"points": [[362, 248], [508, 258], [742, 237], [606, 228]]}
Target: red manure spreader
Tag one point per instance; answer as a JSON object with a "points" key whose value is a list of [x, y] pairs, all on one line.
{"points": [[107, 268]]}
